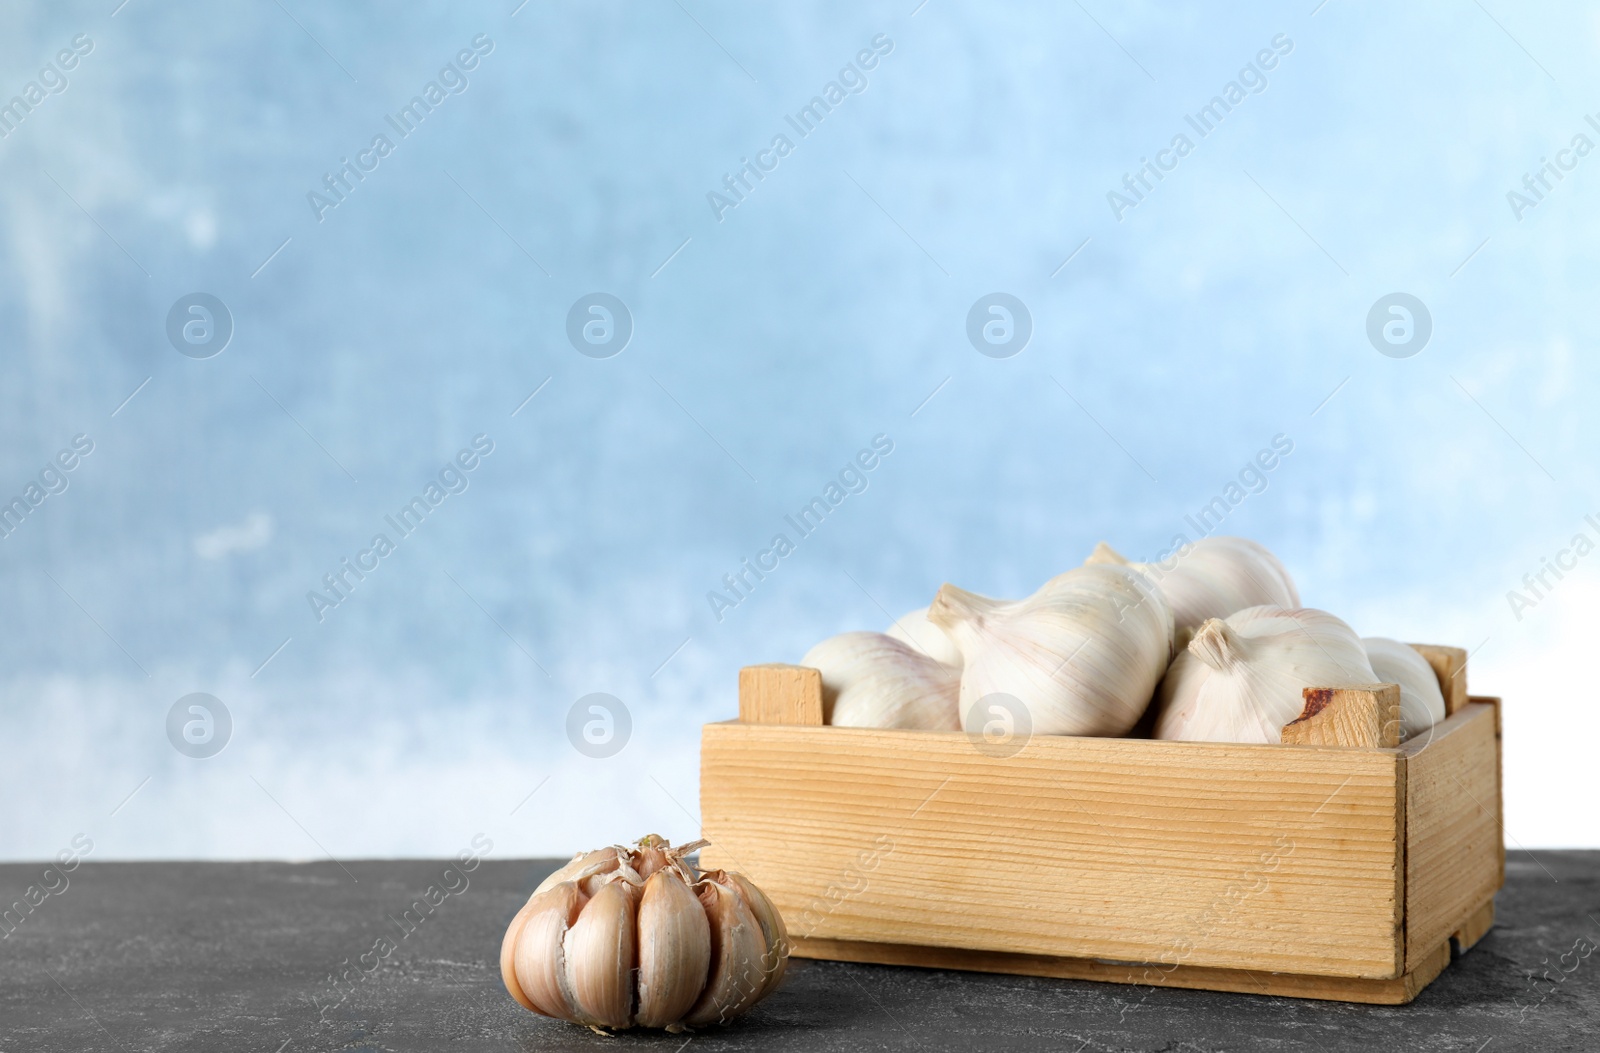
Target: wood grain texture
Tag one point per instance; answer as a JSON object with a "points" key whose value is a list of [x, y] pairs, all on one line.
{"points": [[780, 694], [1450, 666], [1397, 991], [1453, 827], [1364, 715], [1274, 858], [1499, 768]]}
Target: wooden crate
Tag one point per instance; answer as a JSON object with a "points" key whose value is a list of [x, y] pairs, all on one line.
{"points": [[1342, 864]]}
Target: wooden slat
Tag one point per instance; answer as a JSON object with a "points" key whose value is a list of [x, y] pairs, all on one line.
{"points": [[1452, 827], [1474, 928], [1365, 715], [1281, 858], [1450, 666], [1396, 991], [780, 694], [1499, 768]]}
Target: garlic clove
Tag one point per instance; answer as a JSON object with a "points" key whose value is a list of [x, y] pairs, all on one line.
{"points": [[915, 631], [583, 866], [601, 949], [538, 959], [871, 680], [774, 934], [1241, 679], [1083, 654], [674, 950], [1421, 701], [508, 950], [737, 975], [1212, 578]]}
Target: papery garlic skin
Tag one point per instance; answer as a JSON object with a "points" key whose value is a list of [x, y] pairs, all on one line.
{"points": [[639, 938], [871, 680], [774, 933], [586, 865], [1213, 578], [1241, 679], [1421, 701], [1083, 654], [915, 631]]}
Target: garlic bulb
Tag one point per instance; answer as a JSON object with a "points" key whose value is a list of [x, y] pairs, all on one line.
{"points": [[639, 938], [1243, 678], [1213, 578], [870, 680], [1421, 701], [1082, 655], [915, 631]]}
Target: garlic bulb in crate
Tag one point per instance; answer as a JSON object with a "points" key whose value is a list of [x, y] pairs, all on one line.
{"points": [[1241, 679], [915, 631], [1083, 654], [1212, 578], [871, 680], [639, 937], [1421, 701]]}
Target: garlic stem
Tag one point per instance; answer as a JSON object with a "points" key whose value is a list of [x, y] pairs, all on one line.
{"points": [[1216, 645], [1104, 553], [954, 605], [962, 615]]}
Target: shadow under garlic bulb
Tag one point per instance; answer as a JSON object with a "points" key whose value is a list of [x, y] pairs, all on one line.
{"points": [[640, 937]]}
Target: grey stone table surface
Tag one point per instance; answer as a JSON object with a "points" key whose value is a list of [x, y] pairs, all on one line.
{"points": [[254, 956]]}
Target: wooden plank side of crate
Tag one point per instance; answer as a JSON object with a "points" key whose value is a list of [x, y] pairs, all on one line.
{"points": [[1397, 991], [1283, 858], [1452, 827], [1499, 771]]}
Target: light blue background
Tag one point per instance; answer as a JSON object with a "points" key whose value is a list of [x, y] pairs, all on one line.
{"points": [[822, 311]]}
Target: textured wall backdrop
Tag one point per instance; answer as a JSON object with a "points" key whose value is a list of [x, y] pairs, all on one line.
{"points": [[401, 291]]}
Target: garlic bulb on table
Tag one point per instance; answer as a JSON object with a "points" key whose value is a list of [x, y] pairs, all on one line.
{"points": [[1213, 578], [915, 631], [1083, 654], [1421, 701], [870, 680], [1241, 679], [639, 938]]}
